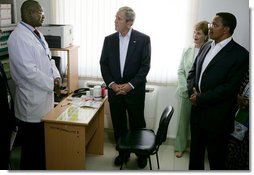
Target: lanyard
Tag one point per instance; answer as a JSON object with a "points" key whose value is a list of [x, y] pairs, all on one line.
{"points": [[42, 43], [40, 40]]}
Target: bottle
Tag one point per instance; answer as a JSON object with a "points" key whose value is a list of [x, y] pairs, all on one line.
{"points": [[97, 93], [103, 87]]}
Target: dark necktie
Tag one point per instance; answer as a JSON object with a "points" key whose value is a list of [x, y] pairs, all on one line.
{"points": [[37, 33]]}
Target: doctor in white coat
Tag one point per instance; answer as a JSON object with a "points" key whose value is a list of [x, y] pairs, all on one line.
{"points": [[35, 76]]}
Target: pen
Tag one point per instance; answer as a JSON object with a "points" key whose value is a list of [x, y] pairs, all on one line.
{"points": [[65, 104]]}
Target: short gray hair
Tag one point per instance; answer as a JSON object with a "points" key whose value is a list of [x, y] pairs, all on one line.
{"points": [[129, 13]]}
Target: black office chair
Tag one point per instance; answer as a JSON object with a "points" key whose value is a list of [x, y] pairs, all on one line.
{"points": [[144, 141]]}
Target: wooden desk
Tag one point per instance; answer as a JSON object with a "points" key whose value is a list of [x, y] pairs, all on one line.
{"points": [[66, 143]]}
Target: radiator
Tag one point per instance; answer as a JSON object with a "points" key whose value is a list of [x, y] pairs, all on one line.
{"points": [[151, 106]]}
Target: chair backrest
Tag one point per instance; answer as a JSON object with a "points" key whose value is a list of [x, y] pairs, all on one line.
{"points": [[166, 116]]}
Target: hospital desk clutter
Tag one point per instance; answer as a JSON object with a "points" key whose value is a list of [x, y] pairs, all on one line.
{"points": [[75, 127]]}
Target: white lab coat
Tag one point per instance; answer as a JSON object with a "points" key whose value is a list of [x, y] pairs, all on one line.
{"points": [[33, 73]]}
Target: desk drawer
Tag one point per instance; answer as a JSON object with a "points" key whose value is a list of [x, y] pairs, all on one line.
{"points": [[91, 129]]}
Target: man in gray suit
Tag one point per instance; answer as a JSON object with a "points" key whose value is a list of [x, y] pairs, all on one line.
{"points": [[213, 85], [125, 63]]}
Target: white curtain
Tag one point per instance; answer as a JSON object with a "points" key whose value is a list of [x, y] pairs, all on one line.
{"points": [[167, 22]]}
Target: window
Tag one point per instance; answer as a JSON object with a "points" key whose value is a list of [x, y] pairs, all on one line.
{"points": [[167, 22]]}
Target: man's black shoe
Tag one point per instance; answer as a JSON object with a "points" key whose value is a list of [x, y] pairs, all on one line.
{"points": [[121, 159], [118, 160], [142, 162]]}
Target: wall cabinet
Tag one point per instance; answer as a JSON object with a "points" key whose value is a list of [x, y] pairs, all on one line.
{"points": [[8, 20], [13, 12]]}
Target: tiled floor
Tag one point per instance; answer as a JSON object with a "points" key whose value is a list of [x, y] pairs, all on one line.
{"points": [[167, 159]]}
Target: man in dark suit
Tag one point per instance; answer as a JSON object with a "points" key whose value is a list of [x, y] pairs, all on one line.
{"points": [[213, 84], [7, 120], [125, 63]]}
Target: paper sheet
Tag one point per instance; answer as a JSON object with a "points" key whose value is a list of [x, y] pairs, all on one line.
{"points": [[77, 114]]}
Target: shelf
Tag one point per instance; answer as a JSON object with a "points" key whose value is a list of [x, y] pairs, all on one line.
{"points": [[72, 66]]}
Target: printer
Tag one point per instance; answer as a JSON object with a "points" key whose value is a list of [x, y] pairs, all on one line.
{"points": [[57, 35]]}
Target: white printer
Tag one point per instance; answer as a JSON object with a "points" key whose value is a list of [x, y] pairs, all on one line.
{"points": [[57, 35]]}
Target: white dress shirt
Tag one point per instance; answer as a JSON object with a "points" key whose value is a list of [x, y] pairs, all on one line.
{"points": [[123, 45], [215, 48], [123, 49]]}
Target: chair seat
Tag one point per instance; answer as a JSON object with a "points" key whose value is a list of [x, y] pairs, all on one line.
{"points": [[139, 141]]}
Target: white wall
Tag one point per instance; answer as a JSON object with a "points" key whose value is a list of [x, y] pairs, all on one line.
{"points": [[207, 9], [167, 96]]}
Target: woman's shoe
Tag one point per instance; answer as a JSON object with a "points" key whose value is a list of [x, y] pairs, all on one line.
{"points": [[179, 154]]}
